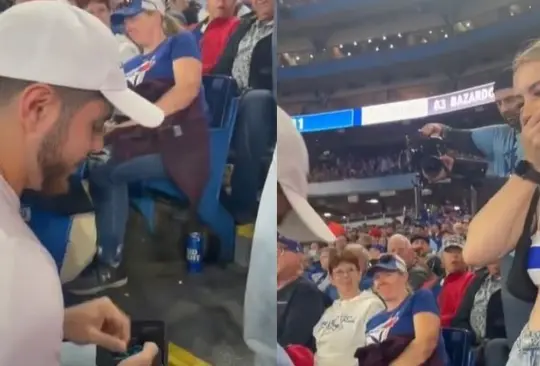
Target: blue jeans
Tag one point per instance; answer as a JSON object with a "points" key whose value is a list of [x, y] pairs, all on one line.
{"points": [[109, 191]]}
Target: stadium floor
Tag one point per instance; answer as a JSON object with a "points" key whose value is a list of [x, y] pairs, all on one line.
{"points": [[203, 312]]}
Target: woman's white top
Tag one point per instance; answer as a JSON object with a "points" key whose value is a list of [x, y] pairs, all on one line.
{"points": [[342, 329]]}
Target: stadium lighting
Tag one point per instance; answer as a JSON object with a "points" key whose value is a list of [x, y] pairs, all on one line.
{"points": [[327, 214], [340, 46], [373, 201], [391, 46], [348, 53], [399, 35], [355, 43], [310, 56], [446, 36], [384, 38], [377, 49], [369, 41], [430, 32]]}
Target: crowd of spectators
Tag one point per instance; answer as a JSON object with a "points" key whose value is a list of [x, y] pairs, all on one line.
{"points": [[350, 166], [401, 282]]}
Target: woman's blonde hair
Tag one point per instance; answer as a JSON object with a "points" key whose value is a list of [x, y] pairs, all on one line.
{"points": [[171, 25], [531, 53]]}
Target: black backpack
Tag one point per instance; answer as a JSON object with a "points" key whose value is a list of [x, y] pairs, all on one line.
{"points": [[519, 283]]}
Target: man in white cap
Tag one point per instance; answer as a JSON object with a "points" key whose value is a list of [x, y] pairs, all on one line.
{"points": [[60, 79], [295, 219]]}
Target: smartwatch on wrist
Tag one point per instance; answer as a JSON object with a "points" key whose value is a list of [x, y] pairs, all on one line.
{"points": [[526, 170]]}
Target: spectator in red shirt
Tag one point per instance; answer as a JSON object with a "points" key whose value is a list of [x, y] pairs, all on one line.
{"points": [[216, 30], [457, 279]]}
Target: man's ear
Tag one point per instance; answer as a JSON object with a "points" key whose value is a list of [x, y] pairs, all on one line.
{"points": [[39, 108]]}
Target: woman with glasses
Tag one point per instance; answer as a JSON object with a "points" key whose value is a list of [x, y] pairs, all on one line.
{"points": [[168, 73], [412, 316], [342, 328]]}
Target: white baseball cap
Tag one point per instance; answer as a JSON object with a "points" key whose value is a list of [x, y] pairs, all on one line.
{"points": [[303, 223], [55, 43]]}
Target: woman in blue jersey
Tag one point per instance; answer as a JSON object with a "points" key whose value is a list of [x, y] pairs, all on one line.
{"points": [[168, 72], [414, 315]]}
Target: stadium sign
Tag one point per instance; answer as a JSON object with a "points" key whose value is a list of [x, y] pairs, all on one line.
{"points": [[335, 120], [463, 99]]}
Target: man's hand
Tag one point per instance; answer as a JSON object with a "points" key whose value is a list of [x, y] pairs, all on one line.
{"points": [[530, 139], [432, 129], [448, 163], [98, 322], [144, 358]]}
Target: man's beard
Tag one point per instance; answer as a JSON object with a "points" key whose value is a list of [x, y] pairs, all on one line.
{"points": [[512, 119], [54, 171]]}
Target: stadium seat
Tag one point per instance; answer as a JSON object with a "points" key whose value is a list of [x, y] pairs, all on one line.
{"points": [[222, 97], [51, 226], [458, 344]]}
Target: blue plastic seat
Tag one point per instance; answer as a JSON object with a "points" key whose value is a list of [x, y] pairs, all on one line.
{"points": [[458, 343], [222, 97], [52, 229]]}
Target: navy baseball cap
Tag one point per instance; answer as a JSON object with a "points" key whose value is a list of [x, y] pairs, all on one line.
{"points": [[290, 245], [131, 8], [388, 263]]}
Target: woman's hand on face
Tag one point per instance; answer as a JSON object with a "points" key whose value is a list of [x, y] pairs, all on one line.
{"points": [[530, 139]]}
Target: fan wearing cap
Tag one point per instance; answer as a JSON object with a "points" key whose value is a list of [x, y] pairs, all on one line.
{"points": [[56, 93], [168, 56], [297, 221], [457, 280], [499, 144], [413, 315], [300, 304]]}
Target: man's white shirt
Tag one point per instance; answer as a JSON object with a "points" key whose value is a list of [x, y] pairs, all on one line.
{"points": [[31, 301]]}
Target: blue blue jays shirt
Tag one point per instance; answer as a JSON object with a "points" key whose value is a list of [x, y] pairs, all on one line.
{"points": [[399, 322], [501, 147], [159, 63]]}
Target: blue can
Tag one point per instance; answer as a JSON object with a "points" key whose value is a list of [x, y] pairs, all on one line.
{"points": [[194, 253]]}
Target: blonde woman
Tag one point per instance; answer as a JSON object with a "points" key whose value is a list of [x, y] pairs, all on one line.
{"points": [[501, 226], [178, 150]]}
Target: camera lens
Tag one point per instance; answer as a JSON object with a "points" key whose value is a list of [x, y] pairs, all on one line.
{"points": [[432, 166]]}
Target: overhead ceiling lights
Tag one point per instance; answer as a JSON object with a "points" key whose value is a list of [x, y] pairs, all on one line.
{"points": [[327, 214], [373, 201]]}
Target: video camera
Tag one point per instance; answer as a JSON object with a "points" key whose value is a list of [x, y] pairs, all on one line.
{"points": [[427, 156]]}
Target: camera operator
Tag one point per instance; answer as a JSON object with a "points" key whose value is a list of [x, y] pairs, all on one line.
{"points": [[499, 144], [505, 224]]}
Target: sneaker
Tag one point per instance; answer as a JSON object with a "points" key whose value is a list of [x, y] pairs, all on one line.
{"points": [[97, 280]]}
